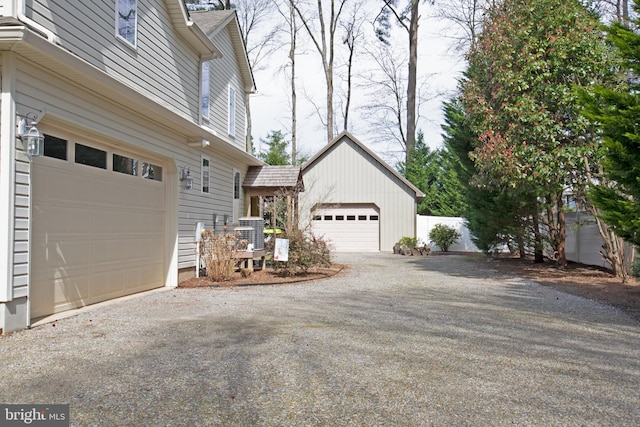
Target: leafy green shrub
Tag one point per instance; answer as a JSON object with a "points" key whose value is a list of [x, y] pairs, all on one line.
{"points": [[305, 251], [409, 242], [443, 236]]}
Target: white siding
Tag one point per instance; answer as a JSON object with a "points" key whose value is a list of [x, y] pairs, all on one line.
{"points": [[347, 174], [163, 67], [225, 72]]}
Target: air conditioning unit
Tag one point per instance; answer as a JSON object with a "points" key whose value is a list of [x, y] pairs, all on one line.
{"points": [[258, 226], [245, 233]]}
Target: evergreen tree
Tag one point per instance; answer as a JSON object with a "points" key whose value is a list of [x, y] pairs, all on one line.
{"points": [[520, 92], [618, 113], [276, 153], [430, 172]]}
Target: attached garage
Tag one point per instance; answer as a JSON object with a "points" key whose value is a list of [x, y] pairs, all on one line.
{"points": [[98, 225], [349, 228]]}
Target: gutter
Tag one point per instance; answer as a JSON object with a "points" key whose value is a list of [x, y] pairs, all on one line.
{"points": [[21, 8]]}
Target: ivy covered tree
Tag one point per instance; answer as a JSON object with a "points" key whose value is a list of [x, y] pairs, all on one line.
{"points": [[520, 95]]}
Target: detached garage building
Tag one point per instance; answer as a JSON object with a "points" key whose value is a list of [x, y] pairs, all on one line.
{"points": [[356, 200]]}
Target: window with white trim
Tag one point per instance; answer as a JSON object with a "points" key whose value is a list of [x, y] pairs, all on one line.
{"points": [[205, 89], [205, 174], [236, 185], [232, 111], [127, 20]]}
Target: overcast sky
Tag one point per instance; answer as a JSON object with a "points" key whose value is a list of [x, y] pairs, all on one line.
{"points": [[271, 109]]}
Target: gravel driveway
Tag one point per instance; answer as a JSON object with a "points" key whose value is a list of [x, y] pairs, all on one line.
{"points": [[392, 341]]}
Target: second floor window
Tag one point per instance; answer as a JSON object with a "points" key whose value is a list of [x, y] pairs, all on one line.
{"points": [[205, 89], [127, 20], [232, 111]]}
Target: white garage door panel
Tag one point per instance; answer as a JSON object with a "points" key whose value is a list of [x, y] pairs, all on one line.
{"points": [[344, 235], [96, 235]]}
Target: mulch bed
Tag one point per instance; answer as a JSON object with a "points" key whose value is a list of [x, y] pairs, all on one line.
{"points": [[266, 276]]}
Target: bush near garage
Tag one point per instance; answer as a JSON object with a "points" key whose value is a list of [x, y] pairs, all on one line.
{"points": [[218, 252], [443, 236], [306, 251]]}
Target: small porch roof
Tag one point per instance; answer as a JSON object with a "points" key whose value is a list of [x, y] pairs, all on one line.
{"points": [[268, 180]]}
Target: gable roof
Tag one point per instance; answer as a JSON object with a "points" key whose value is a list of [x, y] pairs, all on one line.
{"points": [[337, 140], [214, 21], [266, 180], [192, 33]]}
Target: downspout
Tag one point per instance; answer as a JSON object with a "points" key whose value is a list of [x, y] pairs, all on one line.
{"points": [[21, 8]]}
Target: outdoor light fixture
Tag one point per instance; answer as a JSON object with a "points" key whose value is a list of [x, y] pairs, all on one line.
{"points": [[185, 176], [203, 143], [31, 137]]}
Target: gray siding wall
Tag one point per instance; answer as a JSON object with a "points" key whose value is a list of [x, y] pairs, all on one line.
{"points": [[225, 72], [347, 174], [163, 67], [90, 118]]}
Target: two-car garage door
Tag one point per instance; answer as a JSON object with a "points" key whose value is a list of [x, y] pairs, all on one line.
{"points": [[97, 227], [349, 227]]}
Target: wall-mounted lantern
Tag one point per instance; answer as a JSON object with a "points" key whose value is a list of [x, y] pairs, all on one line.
{"points": [[31, 137], [186, 178]]}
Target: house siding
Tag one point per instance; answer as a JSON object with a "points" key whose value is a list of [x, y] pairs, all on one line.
{"points": [[162, 67], [99, 120], [347, 174], [225, 72]]}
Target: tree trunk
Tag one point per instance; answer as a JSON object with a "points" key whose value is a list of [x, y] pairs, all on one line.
{"points": [[538, 253], [294, 116], [561, 236], [613, 246], [412, 79]]}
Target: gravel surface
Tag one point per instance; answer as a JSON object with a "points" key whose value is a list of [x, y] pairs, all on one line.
{"points": [[391, 341]]}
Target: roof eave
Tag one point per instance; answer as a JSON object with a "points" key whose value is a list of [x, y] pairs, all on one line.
{"points": [[32, 46]]}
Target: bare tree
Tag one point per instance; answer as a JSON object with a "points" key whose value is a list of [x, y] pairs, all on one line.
{"points": [[612, 10], [352, 28], [323, 34], [408, 19], [386, 85], [253, 16], [288, 14], [466, 16]]}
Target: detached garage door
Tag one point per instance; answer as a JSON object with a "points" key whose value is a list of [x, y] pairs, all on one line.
{"points": [[349, 227], [98, 226]]}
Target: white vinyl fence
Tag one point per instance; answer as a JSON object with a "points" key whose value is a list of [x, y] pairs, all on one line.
{"points": [[583, 243], [424, 225]]}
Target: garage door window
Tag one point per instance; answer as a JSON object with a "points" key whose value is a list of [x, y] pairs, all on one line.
{"points": [[91, 156], [351, 217], [373, 218], [151, 171], [55, 147], [125, 165]]}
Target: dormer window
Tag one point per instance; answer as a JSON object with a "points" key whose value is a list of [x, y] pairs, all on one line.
{"points": [[127, 20]]}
